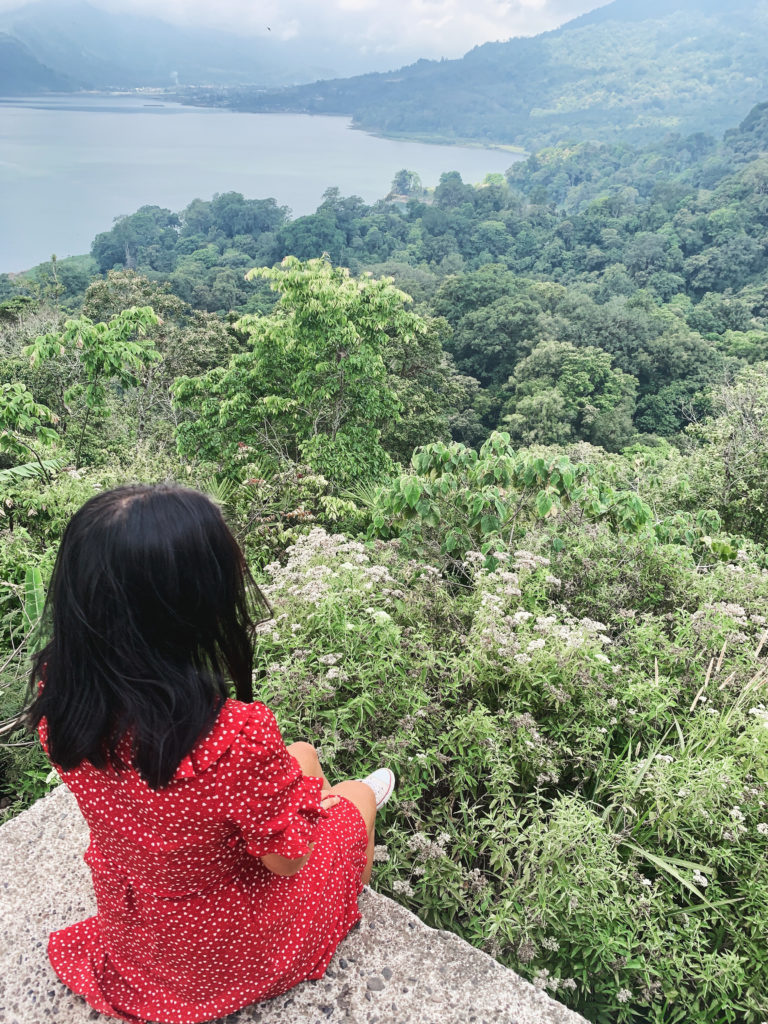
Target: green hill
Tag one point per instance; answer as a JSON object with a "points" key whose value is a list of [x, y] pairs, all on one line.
{"points": [[628, 70]]}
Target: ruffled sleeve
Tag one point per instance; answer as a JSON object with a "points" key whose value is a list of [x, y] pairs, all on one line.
{"points": [[273, 806]]}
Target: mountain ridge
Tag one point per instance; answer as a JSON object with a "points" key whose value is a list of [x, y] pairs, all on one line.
{"points": [[21, 73], [609, 73], [96, 49]]}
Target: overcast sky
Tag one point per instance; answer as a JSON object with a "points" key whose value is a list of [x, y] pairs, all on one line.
{"points": [[433, 28]]}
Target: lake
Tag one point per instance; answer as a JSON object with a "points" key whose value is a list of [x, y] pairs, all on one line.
{"points": [[70, 164]]}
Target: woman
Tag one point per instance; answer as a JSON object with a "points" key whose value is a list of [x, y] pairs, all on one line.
{"points": [[225, 868]]}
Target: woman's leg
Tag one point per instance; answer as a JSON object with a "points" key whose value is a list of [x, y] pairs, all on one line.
{"points": [[362, 797], [308, 760], [356, 792]]}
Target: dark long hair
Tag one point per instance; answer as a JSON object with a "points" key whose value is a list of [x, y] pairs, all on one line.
{"points": [[151, 608]]}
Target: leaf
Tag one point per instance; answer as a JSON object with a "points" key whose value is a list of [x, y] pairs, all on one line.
{"points": [[34, 597], [412, 491], [544, 504], [433, 517], [667, 864], [29, 470], [489, 524]]}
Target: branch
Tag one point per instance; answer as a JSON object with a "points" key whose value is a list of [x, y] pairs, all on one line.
{"points": [[11, 725]]}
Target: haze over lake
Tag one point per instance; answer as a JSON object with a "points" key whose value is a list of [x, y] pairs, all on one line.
{"points": [[70, 164]]}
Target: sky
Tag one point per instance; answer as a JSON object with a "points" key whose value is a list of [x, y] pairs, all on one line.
{"points": [[430, 28]]}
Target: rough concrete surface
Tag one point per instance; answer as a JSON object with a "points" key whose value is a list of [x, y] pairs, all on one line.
{"points": [[391, 969]]}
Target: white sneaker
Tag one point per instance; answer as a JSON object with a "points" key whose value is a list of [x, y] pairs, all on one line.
{"points": [[382, 782]]}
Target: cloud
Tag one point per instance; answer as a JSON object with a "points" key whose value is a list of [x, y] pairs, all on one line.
{"points": [[429, 28]]}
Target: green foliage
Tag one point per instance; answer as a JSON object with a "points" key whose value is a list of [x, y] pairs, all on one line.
{"points": [[583, 797], [730, 461], [30, 471], [104, 353], [560, 391], [462, 500], [25, 425], [34, 597], [313, 385], [457, 500]]}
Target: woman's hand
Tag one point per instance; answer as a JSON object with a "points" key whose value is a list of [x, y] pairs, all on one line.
{"points": [[328, 799]]}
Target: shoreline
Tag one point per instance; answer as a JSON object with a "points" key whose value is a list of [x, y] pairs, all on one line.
{"points": [[434, 140], [161, 96]]}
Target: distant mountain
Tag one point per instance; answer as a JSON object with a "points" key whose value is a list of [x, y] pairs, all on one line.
{"points": [[96, 49], [21, 74], [630, 69]]}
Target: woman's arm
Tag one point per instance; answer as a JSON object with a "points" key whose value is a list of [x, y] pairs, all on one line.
{"points": [[284, 866]]}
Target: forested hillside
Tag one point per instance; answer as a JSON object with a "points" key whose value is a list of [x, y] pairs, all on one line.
{"points": [[21, 74], [630, 70], [645, 269], [497, 454]]}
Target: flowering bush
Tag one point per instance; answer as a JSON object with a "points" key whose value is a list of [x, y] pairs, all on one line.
{"points": [[584, 798], [579, 731]]}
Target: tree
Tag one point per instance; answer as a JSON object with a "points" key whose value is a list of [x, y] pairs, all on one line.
{"points": [[729, 465], [313, 385], [145, 238], [430, 391], [488, 342], [104, 352], [25, 424], [405, 183], [187, 340], [562, 392], [234, 215], [451, 191]]}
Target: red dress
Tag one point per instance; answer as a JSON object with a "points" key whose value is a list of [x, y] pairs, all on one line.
{"points": [[190, 925]]}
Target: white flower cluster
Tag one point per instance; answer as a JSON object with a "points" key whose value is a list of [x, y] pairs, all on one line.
{"points": [[426, 848], [314, 561], [477, 880], [402, 888], [527, 560], [546, 982], [507, 635], [379, 616], [708, 613]]}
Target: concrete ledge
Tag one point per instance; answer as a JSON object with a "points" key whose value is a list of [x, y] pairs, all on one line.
{"points": [[391, 969]]}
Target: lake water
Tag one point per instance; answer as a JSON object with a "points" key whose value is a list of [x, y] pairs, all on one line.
{"points": [[70, 164]]}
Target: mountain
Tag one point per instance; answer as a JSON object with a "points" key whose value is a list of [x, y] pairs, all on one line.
{"points": [[97, 49], [631, 70], [21, 74]]}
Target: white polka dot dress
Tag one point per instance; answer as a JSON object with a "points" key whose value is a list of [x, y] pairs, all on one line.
{"points": [[190, 925]]}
